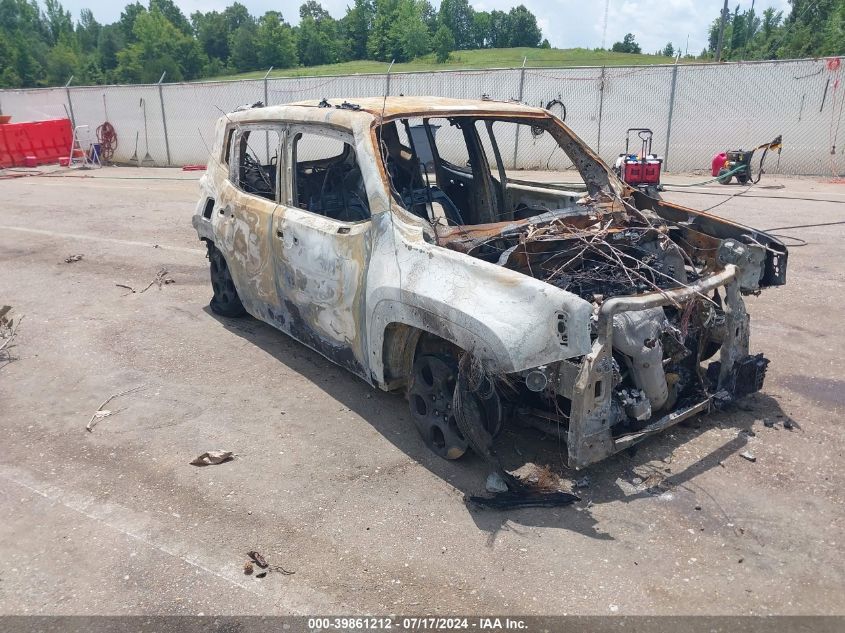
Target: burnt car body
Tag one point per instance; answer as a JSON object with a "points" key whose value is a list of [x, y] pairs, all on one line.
{"points": [[389, 236]]}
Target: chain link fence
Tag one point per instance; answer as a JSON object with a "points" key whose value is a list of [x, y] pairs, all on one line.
{"points": [[695, 110]]}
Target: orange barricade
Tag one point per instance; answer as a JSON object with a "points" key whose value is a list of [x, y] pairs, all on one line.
{"points": [[46, 140]]}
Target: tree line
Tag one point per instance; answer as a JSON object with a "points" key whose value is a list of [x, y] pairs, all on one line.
{"points": [[47, 47], [812, 28]]}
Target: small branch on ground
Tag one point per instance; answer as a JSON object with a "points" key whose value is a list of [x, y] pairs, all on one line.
{"points": [[99, 414], [162, 278]]}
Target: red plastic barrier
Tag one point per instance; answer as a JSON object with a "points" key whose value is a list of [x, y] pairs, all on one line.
{"points": [[46, 140]]}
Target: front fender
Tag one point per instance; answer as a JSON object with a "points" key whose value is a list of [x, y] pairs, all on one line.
{"points": [[509, 319]]}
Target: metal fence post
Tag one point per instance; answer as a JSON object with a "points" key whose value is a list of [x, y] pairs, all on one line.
{"points": [[387, 83], [671, 113], [70, 103], [601, 110], [163, 117], [521, 87], [267, 74]]}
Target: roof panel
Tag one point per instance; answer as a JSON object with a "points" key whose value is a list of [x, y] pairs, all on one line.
{"points": [[373, 107]]}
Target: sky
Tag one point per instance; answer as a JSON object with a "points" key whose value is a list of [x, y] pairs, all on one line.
{"points": [[566, 23]]}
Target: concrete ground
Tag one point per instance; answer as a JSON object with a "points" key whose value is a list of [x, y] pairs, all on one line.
{"points": [[331, 480]]}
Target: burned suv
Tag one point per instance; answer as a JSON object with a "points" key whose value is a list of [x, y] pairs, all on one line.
{"points": [[396, 238]]}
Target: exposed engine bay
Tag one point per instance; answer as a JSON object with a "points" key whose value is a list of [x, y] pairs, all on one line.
{"points": [[603, 247]]}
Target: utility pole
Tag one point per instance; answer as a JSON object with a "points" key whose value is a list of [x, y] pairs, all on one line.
{"points": [[722, 32], [604, 23]]}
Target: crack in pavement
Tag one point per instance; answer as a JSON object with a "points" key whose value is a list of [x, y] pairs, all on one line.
{"points": [[112, 516], [98, 238]]}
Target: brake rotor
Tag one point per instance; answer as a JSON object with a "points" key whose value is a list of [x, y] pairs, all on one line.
{"points": [[479, 414]]}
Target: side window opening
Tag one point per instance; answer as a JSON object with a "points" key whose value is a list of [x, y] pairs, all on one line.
{"points": [[450, 139], [536, 151], [462, 170], [453, 169], [460, 182], [403, 166], [411, 163], [484, 129], [546, 179], [258, 159], [327, 179]]}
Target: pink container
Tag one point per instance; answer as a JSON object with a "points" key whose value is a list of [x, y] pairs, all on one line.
{"points": [[719, 161]]}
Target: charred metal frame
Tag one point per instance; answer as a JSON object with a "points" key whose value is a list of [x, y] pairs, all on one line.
{"points": [[365, 294], [590, 438]]}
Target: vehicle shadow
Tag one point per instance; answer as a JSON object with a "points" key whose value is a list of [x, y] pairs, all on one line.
{"points": [[612, 480]]}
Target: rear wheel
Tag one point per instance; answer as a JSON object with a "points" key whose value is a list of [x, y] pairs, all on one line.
{"points": [[723, 179], [225, 301]]}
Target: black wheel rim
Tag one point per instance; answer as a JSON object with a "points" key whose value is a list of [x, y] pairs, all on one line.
{"points": [[430, 397]]}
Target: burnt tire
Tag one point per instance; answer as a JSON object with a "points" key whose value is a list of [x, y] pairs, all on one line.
{"points": [[433, 381], [225, 300]]}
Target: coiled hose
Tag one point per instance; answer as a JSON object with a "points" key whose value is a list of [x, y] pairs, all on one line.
{"points": [[107, 138]]}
